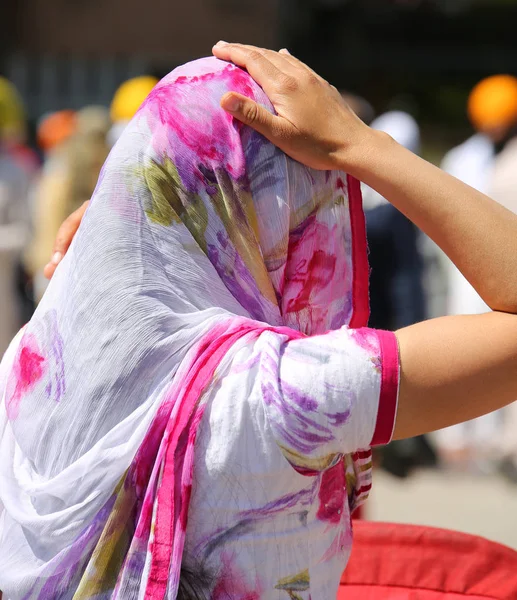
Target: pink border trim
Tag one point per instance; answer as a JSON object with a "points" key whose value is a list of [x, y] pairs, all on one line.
{"points": [[388, 398], [176, 461], [361, 269]]}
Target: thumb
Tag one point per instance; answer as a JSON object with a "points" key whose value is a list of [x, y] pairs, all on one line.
{"points": [[250, 113]]}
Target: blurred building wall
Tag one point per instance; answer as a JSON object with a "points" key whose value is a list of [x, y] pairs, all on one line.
{"points": [[69, 53], [157, 29]]}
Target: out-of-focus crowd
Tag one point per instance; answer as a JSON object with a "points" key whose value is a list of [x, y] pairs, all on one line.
{"points": [[411, 280], [40, 186]]}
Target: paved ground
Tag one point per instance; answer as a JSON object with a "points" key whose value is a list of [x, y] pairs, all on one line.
{"points": [[482, 505]]}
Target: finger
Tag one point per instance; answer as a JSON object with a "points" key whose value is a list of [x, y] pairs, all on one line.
{"points": [[298, 63], [254, 60], [49, 270], [250, 113], [225, 49], [64, 238], [293, 62], [284, 61], [286, 55]]}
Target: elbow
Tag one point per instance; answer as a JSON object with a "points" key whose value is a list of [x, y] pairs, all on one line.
{"points": [[502, 303], [500, 296]]}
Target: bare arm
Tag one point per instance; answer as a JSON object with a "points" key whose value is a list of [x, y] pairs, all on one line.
{"points": [[476, 233], [452, 369], [455, 368]]}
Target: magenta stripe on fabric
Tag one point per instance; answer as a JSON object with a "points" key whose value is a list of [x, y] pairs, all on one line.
{"points": [[176, 479], [361, 270], [389, 389]]}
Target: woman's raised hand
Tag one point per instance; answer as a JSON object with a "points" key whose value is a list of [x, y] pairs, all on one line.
{"points": [[313, 123], [452, 369]]}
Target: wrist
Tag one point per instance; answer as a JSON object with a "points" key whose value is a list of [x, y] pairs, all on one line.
{"points": [[361, 158]]}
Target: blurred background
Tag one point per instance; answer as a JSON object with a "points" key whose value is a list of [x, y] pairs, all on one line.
{"points": [[438, 75]]}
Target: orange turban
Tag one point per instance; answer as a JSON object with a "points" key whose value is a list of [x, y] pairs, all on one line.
{"points": [[493, 103], [56, 128]]}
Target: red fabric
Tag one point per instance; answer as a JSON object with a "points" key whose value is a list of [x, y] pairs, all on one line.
{"points": [[410, 562], [357, 515]]}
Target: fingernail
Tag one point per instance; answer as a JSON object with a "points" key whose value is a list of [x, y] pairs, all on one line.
{"points": [[221, 43], [285, 51], [232, 104], [56, 258]]}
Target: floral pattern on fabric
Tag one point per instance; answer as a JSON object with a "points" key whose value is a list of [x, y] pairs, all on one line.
{"points": [[188, 392]]}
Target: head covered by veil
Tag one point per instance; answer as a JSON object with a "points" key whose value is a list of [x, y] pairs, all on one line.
{"points": [[200, 231]]}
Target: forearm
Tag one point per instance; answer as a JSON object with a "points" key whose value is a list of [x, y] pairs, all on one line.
{"points": [[477, 234]]}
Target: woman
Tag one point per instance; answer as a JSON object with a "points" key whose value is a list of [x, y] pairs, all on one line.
{"points": [[164, 408]]}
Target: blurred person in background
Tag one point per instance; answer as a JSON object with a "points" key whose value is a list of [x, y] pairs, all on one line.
{"points": [[15, 181], [492, 110], [127, 100], [396, 280], [76, 148], [396, 293], [54, 129], [14, 140], [14, 129]]}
